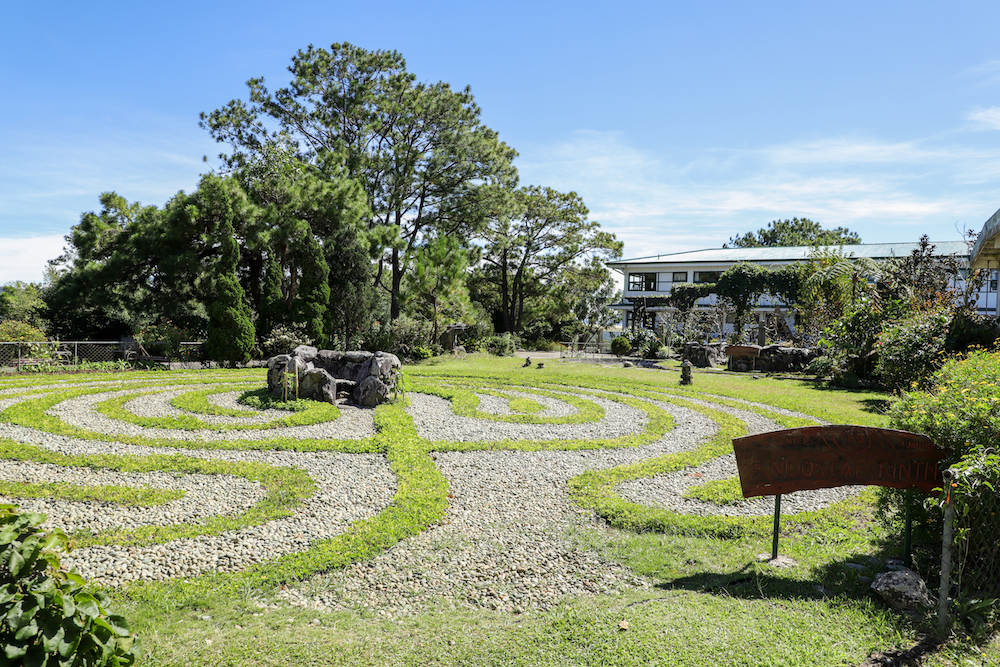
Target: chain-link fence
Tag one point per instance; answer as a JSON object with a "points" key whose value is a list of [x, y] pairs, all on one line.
{"points": [[970, 556], [25, 355]]}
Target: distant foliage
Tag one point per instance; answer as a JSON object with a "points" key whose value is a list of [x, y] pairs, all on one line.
{"points": [[14, 331], [48, 615], [503, 345], [794, 232], [282, 340]]}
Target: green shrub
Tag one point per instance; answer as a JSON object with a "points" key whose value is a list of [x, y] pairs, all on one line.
{"points": [[652, 349], [959, 410], [419, 353], [409, 333], [911, 349], [621, 346], [503, 345], [49, 617], [14, 331]]}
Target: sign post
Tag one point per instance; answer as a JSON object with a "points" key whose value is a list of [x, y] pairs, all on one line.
{"points": [[820, 457]]}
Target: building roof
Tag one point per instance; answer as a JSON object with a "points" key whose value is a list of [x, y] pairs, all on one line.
{"points": [[987, 248], [792, 253]]}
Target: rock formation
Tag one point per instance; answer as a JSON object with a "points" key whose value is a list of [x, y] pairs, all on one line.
{"points": [[369, 378]]}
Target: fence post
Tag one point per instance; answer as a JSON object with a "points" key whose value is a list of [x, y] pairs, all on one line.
{"points": [[947, 546]]}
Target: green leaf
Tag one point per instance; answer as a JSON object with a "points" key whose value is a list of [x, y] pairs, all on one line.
{"points": [[15, 563], [13, 651], [52, 636], [28, 631], [36, 657], [87, 604], [13, 617], [118, 624]]}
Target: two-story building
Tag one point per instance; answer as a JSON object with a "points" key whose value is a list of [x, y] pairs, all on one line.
{"points": [[649, 280]]}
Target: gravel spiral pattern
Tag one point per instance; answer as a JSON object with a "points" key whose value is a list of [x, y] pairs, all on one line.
{"points": [[505, 540]]}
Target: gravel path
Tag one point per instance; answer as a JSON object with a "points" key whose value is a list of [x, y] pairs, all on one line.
{"points": [[503, 543]]}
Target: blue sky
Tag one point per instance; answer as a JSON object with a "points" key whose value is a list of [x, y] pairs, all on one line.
{"points": [[680, 124]]}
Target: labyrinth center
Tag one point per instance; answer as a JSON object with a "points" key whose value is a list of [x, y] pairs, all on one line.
{"points": [[464, 491]]}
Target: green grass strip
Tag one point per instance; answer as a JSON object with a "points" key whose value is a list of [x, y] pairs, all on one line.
{"points": [[261, 399], [114, 408], [286, 488], [465, 403], [524, 405], [782, 420], [717, 491], [121, 495], [197, 402], [660, 422], [32, 414], [421, 499]]}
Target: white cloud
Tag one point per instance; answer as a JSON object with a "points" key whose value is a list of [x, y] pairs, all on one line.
{"points": [[886, 191], [25, 258], [986, 118]]}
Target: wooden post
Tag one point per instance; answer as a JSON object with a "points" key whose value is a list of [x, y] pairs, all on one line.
{"points": [[777, 521]]}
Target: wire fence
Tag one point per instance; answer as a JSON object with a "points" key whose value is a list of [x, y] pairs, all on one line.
{"points": [[40, 355], [970, 555]]}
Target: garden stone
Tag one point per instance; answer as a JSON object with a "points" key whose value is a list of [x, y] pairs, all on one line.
{"points": [[318, 385], [371, 392], [903, 590], [342, 373], [305, 352]]}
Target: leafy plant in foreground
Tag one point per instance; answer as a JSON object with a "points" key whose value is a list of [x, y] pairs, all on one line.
{"points": [[48, 616]]}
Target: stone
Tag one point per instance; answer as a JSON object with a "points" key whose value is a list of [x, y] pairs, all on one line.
{"points": [[329, 374], [705, 355], [318, 385], [371, 392], [305, 352], [903, 590]]}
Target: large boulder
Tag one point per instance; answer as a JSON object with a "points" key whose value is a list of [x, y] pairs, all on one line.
{"points": [[705, 355], [903, 590], [321, 371]]}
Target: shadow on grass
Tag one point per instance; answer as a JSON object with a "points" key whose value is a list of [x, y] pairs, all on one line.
{"points": [[847, 579]]}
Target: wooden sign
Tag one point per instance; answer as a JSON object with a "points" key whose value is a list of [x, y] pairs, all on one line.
{"points": [[820, 457], [742, 351]]}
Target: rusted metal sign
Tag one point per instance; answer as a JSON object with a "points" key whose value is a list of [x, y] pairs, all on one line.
{"points": [[819, 457], [743, 351]]}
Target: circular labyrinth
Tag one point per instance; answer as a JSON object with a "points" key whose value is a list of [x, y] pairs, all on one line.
{"points": [[465, 492]]}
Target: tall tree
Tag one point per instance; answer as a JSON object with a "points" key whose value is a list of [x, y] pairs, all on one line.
{"points": [[419, 149], [534, 233], [230, 329], [794, 232], [436, 289]]}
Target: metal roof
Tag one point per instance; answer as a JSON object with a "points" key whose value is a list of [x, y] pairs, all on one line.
{"points": [[793, 253], [987, 248]]}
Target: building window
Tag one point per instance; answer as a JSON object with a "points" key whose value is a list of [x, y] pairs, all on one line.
{"points": [[707, 276], [642, 282], [648, 321], [680, 276]]}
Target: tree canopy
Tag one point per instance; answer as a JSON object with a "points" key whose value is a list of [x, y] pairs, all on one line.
{"points": [[419, 150], [534, 234], [794, 232]]}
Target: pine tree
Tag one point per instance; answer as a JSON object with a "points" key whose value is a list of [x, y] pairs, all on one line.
{"points": [[314, 289], [272, 299], [230, 327]]}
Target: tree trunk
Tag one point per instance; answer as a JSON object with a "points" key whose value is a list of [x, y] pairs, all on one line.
{"points": [[397, 278]]}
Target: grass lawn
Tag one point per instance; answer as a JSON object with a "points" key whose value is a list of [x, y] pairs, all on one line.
{"points": [[710, 601]]}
